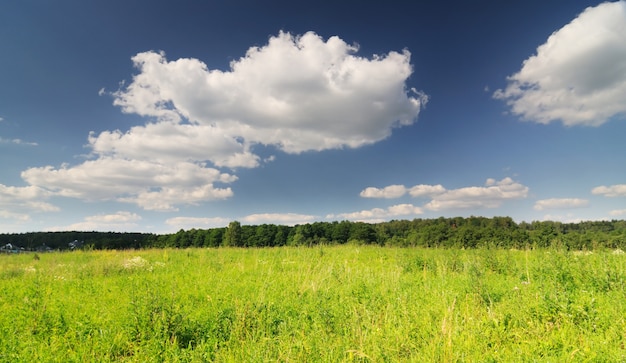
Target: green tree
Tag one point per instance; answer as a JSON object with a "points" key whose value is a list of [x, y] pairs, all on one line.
{"points": [[233, 235]]}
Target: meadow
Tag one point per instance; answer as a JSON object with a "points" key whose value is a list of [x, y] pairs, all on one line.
{"points": [[346, 303]]}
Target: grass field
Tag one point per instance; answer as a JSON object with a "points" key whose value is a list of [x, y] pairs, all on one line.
{"points": [[325, 304]]}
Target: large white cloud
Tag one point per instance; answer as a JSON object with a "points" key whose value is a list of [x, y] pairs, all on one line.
{"points": [[579, 75], [297, 93]]}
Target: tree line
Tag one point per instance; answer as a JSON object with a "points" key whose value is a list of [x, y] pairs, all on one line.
{"points": [[458, 232]]}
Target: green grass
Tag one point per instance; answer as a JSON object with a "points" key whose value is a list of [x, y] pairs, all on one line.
{"points": [[324, 304]]}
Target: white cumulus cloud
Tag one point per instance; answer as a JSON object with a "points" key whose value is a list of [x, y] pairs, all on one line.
{"points": [[391, 191], [151, 185], [492, 195], [561, 203], [618, 190], [579, 75], [296, 93], [170, 142], [397, 191]]}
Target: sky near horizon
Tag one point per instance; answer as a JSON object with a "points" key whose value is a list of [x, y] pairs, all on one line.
{"points": [[152, 116]]}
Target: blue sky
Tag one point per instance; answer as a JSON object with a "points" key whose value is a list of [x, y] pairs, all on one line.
{"points": [[153, 116]]}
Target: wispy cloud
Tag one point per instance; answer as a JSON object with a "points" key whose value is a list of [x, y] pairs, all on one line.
{"points": [[197, 222], [379, 214], [561, 203], [18, 203], [568, 218], [552, 85], [17, 142], [260, 218], [278, 218], [119, 221], [617, 190]]}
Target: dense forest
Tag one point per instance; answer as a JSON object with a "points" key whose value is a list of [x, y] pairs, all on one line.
{"points": [[459, 232]]}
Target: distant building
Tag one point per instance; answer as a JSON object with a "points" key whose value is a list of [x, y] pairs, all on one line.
{"points": [[10, 248], [76, 244]]}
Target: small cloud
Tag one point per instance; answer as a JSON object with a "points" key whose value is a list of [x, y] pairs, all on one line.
{"points": [[551, 86], [119, 221], [197, 222], [102, 92], [618, 190], [568, 218], [403, 210], [391, 191], [561, 203], [492, 195], [617, 212], [278, 218], [376, 215], [18, 142]]}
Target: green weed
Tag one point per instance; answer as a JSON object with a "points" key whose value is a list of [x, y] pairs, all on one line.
{"points": [[344, 303]]}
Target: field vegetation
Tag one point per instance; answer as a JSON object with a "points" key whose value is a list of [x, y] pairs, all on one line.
{"points": [[341, 303]]}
